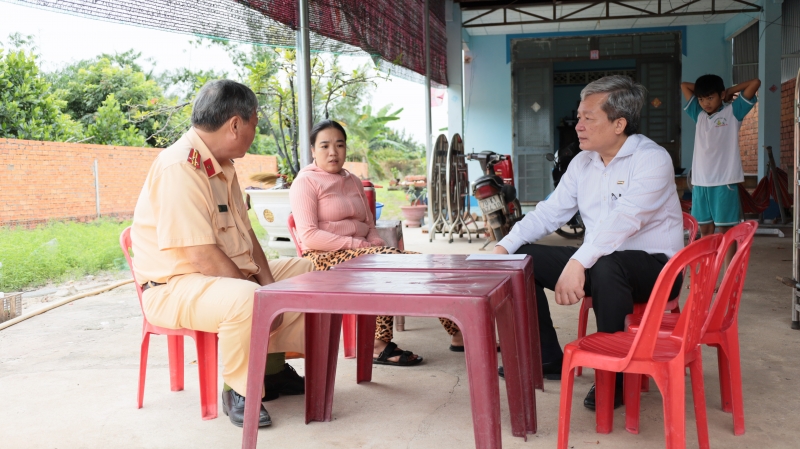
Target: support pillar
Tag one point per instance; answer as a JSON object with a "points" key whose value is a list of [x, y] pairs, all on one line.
{"points": [[455, 62], [304, 83], [769, 72], [426, 30]]}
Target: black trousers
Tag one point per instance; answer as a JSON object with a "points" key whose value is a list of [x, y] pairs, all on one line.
{"points": [[615, 283]]}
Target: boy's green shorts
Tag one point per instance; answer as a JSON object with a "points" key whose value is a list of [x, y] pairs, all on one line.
{"points": [[718, 204]]}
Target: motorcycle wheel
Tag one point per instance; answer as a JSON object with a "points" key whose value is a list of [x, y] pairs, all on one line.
{"points": [[574, 229]]}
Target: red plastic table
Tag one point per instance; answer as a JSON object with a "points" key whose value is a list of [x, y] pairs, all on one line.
{"points": [[473, 302], [525, 311]]}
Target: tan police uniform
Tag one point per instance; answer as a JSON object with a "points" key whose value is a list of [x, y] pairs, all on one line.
{"points": [[190, 199]]}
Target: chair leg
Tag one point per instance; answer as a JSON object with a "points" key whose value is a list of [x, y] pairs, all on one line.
{"points": [[175, 348], [699, 399], [605, 382], [207, 370], [349, 333], [673, 390], [633, 398], [583, 322], [724, 379], [735, 368], [399, 323], [143, 367], [565, 409], [645, 385]]}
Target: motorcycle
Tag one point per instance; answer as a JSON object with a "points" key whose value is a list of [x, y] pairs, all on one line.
{"points": [[574, 228], [495, 192]]}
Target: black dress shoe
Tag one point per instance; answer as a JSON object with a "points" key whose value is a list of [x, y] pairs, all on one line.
{"points": [[551, 370], [589, 401], [286, 382], [233, 407]]}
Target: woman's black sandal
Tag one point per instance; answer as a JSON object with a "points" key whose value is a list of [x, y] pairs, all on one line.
{"points": [[392, 351]]}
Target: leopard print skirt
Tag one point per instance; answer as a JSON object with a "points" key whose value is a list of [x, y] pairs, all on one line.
{"points": [[324, 260]]}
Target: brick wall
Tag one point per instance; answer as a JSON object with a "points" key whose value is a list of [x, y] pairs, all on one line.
{"points": [[748, 134], [787, 126], [748, 141], [42, 181]]}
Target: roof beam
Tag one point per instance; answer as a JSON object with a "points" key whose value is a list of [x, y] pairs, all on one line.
{"points": [[571, 16]]}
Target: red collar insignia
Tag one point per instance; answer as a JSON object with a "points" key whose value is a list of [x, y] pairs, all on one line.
{"points": [[194, 158], [209, 167]]}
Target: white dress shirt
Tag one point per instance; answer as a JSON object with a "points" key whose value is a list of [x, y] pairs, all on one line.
{"points": [[631, 204]]}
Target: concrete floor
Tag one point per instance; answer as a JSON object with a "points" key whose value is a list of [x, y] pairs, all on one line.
{"points": [[68, 380]]}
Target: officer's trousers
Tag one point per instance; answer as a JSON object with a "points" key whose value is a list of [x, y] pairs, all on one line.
{"points": [[225, 306]]}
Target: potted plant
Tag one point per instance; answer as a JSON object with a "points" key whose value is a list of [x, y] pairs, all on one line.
{"points": [[414, 213]]}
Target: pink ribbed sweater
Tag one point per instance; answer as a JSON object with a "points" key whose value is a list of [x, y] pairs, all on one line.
{"points": [[331, 212]]}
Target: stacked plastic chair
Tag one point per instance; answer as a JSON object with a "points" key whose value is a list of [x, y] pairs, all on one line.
{"points": [[721, 329], [645, 352], [691, 226]]}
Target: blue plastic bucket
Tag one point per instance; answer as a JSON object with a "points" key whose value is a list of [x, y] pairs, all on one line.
{"points": [[378, 208]]}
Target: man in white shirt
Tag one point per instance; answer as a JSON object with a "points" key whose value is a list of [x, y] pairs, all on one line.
{"points": [[623, 184]]}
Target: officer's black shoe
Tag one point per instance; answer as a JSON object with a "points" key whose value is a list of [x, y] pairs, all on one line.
{"points": [[589, 401], [233, 407], [286, 382], [551, 370]]}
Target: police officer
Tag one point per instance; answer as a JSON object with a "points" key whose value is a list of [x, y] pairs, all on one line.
{"points": [[196, 254]]}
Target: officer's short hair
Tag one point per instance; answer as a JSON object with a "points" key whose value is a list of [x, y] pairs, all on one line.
{"points": [[220, 100], [625, 99]]}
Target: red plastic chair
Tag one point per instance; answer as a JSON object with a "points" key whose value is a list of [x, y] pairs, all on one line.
{"points": [[690, 225], [721, 326], [664, 359], [206, 350], [473, 302]]}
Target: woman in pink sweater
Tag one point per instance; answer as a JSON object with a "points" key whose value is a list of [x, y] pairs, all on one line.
{"points": [[335, 224]]}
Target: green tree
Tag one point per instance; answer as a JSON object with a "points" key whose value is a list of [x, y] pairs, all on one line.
{"points": [[110, 127], [88, 84], [29, 108], [331, 88]]}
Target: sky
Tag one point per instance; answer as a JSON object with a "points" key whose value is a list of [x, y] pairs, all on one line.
{"points": [[62, 39]]}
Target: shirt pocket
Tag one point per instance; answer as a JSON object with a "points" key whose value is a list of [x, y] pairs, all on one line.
{"points": [[619, 190], [228, 238]]}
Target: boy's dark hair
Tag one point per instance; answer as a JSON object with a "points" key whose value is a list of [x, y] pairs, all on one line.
{"points": [[708, 85], [323, 125]]}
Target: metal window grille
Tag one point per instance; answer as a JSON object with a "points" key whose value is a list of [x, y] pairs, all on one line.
{"points": [[745, 55]]}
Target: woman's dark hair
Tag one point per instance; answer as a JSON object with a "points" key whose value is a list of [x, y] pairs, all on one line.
{"points": [[708, 85], [323, 125]]}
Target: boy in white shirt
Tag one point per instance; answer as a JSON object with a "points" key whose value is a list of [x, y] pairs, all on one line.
{"points": [[717, 165]]}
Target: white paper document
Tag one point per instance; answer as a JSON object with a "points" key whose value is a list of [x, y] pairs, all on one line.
{"points": [[496, 257]]}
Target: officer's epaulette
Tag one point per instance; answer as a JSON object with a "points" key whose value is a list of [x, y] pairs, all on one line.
{"points": [[194, 158]]}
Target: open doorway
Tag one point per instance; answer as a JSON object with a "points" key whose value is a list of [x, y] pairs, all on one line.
{"points": [[548, 75]]}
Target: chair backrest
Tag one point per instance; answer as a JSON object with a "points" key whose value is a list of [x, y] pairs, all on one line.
{"points": [[292, 232], [125, 244], [726, 303], [699, 258], [690, 225]]}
